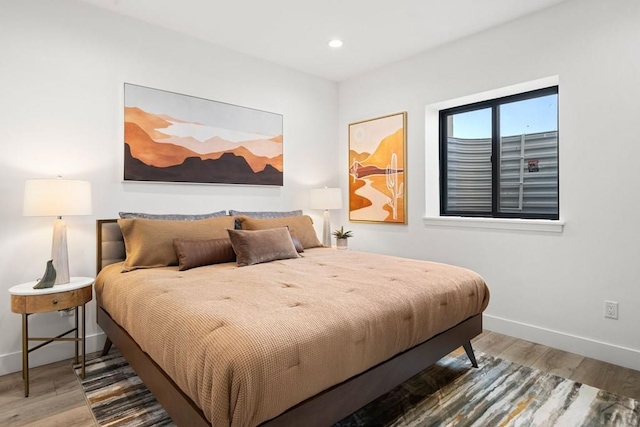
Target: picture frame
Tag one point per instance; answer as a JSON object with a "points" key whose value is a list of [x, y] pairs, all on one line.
{"points": [[377, 169], [175, 138]]}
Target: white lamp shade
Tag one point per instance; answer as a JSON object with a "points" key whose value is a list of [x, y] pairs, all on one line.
{"points": [[56, 197], [326, 198]]}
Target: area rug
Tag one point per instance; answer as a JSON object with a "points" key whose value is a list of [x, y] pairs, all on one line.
{"points": [[449, 393]]}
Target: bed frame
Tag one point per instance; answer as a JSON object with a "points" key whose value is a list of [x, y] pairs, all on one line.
{"points": [[323, 409]]}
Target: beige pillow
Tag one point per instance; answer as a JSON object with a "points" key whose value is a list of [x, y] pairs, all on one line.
{"points": [[196, 253], [254, 247], [301, 226], [149, 242]]}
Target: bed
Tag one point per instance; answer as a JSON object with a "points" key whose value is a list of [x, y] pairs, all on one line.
{"points": [[315, 380]]}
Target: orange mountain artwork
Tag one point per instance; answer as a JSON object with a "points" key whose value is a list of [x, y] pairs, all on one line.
{"points": [[169, 137], [377, 170]]}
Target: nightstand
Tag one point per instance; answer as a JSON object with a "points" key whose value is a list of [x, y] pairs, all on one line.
{"points": [[26, 301]]}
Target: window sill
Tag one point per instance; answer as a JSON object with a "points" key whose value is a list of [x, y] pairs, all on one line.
{"points": [[539, 225]]}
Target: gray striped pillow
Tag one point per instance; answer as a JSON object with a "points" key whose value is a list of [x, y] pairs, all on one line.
{"points": [[171, 217]]}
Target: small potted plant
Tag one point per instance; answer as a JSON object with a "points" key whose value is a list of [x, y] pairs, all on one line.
{"points": [[341, 237]]}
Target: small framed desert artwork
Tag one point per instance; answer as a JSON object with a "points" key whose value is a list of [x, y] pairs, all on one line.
{"points": [[377, 169], [170, 137]]}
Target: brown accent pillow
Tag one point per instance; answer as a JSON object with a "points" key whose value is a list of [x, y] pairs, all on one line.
{"points": [[302, 226], [296, 241], [196, 253], [149, 242], [254, 247]]}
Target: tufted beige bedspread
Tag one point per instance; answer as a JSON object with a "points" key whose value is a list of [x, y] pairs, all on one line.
{"points": [[248, 343]]}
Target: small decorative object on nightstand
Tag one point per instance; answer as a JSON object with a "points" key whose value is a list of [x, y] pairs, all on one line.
{"points": [[48, 278], [341, 237], [26, 300]]}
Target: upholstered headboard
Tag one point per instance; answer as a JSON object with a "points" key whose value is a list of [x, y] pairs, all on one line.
{"points": [[110, 244]]}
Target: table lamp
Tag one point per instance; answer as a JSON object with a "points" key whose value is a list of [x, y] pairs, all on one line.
{"points": [[326, 199], [57, 197]]}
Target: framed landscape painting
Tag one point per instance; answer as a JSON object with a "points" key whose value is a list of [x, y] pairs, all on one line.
{"points": [[377, 187], [169, 137]]}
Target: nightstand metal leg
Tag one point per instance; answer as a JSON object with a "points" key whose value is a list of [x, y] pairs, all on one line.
{"points": [[84, 335], [25, 353], [75, 360]]}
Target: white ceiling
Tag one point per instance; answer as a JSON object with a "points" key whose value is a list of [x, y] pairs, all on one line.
{"points": [[295, 33]]}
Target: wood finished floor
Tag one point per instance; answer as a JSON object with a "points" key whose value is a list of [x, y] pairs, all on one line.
{"points": [[56, 398]]}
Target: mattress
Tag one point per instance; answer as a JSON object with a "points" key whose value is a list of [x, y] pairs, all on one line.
{"points": [[247, 343]]}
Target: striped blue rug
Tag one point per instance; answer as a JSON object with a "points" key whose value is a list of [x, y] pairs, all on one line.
{"points": [[117, 396], [449, 393], [499, 393]]}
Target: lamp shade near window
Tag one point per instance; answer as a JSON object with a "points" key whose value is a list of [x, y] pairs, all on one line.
{"points": [[57, 197], [326, 199]]}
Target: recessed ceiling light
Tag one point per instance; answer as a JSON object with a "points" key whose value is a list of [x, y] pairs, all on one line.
{"points": [[336, 43]]}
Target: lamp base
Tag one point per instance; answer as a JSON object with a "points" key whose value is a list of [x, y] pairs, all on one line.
{"points": [[59, 252], [326, 229]]}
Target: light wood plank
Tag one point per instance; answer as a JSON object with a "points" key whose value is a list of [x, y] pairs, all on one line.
{"points": [[627, 382], [66, 381], [524, 353], [493, 343], [42, 408], [76, 417], [12, 391], [613, 378], [558, 362], [15, 409]]}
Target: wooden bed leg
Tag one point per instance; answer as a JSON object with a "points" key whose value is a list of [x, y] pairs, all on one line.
{"points": [[469, 350], [107, 347]]}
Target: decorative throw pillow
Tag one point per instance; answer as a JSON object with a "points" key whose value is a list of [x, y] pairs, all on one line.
{"points": [[171, 217], [196, 253], [254, 247], [263, 215], [266, 214], [302, 226], [296, 241], [149, 242]]}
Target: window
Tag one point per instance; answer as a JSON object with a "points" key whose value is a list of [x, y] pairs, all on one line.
{"points": [[499, 158]]}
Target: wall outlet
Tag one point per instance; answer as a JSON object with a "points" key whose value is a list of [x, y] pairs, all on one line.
{"points": [[611, 310], [66, 313]]}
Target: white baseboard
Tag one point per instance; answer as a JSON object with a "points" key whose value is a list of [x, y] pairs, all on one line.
{"points": [[50, 353], [599, 350]]}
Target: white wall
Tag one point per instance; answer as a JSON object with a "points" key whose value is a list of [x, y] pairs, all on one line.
{"points": [[62, 69], [546, 287]]}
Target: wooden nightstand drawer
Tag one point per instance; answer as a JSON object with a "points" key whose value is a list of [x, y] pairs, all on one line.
{"points": [[50, 302]]}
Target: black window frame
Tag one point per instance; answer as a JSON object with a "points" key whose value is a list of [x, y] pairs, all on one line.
{"points": [[495, 155]]}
